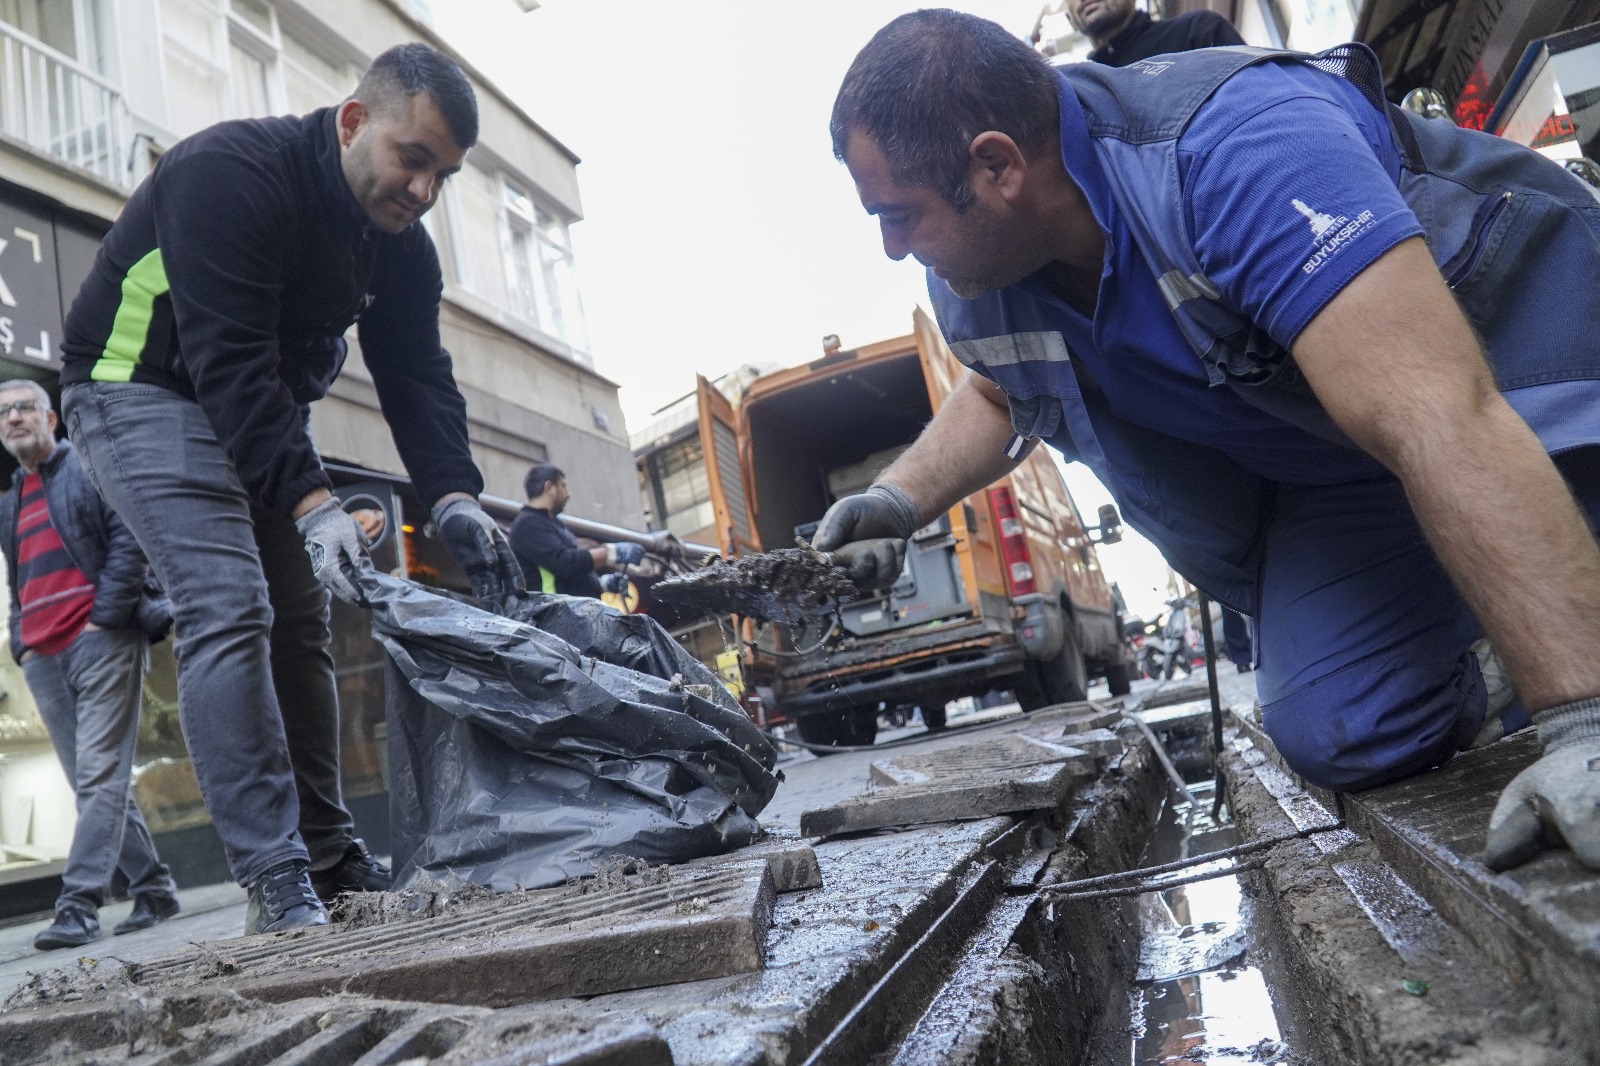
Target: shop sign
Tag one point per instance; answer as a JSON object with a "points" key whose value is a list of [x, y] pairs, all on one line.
{"points": [[43, 260], [30, 288]]}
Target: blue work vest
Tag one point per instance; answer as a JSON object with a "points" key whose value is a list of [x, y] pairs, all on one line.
{"points": [[1515, 236]]}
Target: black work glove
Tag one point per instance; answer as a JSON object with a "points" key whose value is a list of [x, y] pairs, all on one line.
{"points": [[615, 583], [480, 546], [338, 549], [1555, 801], [867, 534]]}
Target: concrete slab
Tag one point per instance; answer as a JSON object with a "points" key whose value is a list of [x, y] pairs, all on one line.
{"points": [[791, 861], [1374, 969], [1074, 717], [1539, 922], [595, 936], [957, 796], [1101, 743], [1000, 755]]}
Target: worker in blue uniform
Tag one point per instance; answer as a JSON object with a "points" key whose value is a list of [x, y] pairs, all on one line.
{"points": [[1256, 300]]}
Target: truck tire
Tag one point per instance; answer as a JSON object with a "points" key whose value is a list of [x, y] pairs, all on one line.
{"points": [[1117, 679], [839, 729], [933, 718], [860, 727], [1065, 678], [819, 727]]}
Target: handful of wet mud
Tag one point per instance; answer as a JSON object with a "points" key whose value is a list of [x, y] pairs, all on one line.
{"points": [[787, 585]]}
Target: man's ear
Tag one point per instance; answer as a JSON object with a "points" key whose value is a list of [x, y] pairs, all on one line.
{"points": [[998, 164], [351, 116]]}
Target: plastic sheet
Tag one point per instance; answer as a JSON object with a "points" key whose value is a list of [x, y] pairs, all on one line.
{"points": [[533, 746]]}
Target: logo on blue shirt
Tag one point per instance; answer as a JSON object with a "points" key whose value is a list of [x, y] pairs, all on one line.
{"points": [[1330, 232]]}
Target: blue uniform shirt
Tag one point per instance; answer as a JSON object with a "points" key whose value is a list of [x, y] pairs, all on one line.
{"points": [[1256, 149]]}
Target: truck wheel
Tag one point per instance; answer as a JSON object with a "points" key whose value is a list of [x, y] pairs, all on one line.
{"points": [[860, 727], [1065, 679], [1028, 690], [933, 718], [820, 727], [1117, 679]]}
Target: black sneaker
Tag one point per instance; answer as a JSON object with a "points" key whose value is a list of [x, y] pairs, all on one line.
{"points": [[282, 899], [73, 927], [357, 871], [149, 908]]}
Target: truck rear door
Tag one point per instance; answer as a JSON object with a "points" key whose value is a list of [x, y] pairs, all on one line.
{"points": [[943, 372], [719, 443], [937, 582]]}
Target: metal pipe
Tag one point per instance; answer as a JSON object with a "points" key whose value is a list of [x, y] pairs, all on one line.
{"points": [[660, 540], [1216, 700], [1172, 773]]}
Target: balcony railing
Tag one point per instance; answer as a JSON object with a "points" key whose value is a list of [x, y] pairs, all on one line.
{"points": [[54, 105]]}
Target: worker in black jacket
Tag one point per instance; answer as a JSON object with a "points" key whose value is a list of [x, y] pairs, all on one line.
{"points": [[1122, 35], [214, 314], [551, 557]]}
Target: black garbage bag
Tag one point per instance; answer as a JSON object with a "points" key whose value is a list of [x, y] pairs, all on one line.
{"points": [[530, 747]]}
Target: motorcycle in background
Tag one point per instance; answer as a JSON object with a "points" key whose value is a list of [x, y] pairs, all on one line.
{"points": [[1165, 646]]}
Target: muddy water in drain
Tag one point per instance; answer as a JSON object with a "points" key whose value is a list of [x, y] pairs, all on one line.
{"points": [[1201, 997]]}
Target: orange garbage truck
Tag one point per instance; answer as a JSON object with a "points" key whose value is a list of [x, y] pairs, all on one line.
{"points": [[1004, 591]]}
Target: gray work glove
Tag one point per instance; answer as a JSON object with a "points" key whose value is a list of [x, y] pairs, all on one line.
{"points": [[480, 546], [1555, 801], [867, 534], [616, 584], [338, 549]]}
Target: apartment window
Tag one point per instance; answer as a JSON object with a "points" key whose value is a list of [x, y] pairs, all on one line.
{"points": [[236, 59], [311, 79], [475, 219], [544, 287]]}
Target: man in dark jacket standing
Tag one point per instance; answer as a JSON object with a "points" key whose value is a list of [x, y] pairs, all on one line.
{"points": [[214, 314], [551, 558], [80, 621], [1122, 35]]}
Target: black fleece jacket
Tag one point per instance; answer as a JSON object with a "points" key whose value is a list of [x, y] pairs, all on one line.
{"points": [[1144, 37], [231, 278]]}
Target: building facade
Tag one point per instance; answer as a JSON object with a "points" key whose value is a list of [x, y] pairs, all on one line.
{"points": [[91, 93]]}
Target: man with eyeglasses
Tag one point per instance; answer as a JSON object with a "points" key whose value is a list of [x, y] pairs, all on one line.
{"points": [[81, 616], [215, 313]]}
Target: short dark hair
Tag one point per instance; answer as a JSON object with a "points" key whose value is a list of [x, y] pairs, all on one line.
{"points": [[540, 475], [931, 81], [408, 69]]}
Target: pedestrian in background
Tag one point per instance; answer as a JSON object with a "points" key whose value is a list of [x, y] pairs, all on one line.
{"points": [[1123, 35], [82, 616], [548, 551]]}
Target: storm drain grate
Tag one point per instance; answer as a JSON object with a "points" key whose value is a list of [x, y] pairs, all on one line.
{"points": [[222, 1029], [604, 935], [1001, 776]]}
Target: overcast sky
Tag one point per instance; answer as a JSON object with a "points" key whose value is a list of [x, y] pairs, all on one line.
{"points": [[718, 228]]}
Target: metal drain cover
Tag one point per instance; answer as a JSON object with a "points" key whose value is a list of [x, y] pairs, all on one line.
{"points": [[604, 935]]}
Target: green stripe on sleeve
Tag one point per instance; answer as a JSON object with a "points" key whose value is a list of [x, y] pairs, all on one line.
{"points": [[130, 330]]}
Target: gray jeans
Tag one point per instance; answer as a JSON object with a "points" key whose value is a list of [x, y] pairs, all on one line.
{"points": [[89, 695], [256, 689]]}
